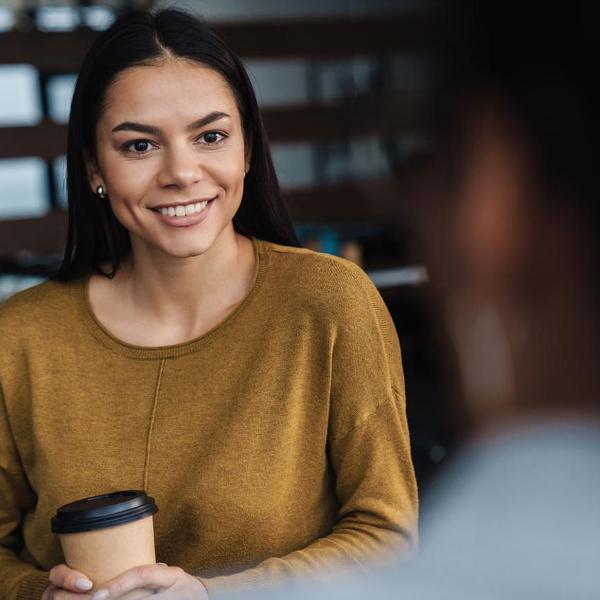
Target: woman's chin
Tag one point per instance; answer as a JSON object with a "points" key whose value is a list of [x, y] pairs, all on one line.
{"points": [[165, 250], [188, 252]]}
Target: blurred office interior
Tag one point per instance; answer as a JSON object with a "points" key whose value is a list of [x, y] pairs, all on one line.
{"points": [[341, 84]]}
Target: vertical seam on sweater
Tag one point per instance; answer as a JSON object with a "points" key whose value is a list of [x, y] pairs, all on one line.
{"points": [[151, 424]]}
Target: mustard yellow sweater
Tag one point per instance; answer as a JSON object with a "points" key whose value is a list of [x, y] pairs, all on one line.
{"points": [[276, 445]]}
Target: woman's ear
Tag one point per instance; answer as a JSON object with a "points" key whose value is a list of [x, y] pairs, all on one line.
{"points": [[247, 155], [93, 173]]}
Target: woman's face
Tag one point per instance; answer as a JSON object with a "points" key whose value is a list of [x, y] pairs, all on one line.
{"points": [[171, 156]]}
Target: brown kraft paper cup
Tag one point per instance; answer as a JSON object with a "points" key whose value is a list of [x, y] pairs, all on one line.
{"points": [[104, 536]]}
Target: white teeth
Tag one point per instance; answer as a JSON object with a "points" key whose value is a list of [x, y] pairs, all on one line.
{"points": [[183, 210]]}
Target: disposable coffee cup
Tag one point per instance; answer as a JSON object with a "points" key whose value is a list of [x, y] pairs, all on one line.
{"points": [[104, 536]]}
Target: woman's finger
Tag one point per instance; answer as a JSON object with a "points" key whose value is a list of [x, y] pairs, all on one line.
{"points": [[61, 594], [55, 593], [66, 578], [148, 577], [49, 592]]}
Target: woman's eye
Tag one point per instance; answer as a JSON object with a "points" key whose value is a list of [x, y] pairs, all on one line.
{"points": [[212, 137], [139, 146]]}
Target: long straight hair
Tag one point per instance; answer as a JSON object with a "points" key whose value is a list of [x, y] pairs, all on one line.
{"points": [[95, 237]]}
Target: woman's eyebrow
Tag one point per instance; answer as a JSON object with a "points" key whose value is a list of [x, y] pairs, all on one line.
{"points": [[151, 130], [209, 118]]}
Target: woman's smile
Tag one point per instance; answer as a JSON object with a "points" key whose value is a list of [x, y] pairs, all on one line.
{"points": [[184, 214]]}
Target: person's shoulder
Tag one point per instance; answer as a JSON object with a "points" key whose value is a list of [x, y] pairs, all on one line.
{"points": [[33, 307], [318, 276], [306, 264]]}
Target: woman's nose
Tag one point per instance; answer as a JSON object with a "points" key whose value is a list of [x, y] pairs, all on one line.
{"points": [[181, 168]]}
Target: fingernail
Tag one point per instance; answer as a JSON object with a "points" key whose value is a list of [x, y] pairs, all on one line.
{"points": [[100, 595], [83, 584]]}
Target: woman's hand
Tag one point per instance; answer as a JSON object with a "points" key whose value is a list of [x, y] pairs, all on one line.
{"points": [[161, 581], [168, 583], [67, 584]]}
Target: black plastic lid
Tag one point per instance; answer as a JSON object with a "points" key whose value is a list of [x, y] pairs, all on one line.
{"points": [[106, 510]]}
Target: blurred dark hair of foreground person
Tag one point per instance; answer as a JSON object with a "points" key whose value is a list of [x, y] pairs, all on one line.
{"points": [[512, 226]]}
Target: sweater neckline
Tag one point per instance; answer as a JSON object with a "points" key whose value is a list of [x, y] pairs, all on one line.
{"points": [[172, 351]]}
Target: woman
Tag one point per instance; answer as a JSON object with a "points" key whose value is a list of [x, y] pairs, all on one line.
{"points": [[190, 348]]}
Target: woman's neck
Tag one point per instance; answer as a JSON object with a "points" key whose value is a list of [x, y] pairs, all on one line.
{"points": [[161, 284], [159, 300]]}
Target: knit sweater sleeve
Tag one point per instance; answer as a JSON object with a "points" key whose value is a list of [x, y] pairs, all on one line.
{"points": [[18, 580], [369, 450]]}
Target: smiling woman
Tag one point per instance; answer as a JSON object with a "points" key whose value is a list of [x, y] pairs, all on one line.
{"points": [[176, 191], [190, 348]]}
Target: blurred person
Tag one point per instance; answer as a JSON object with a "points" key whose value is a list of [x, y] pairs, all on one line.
{"points": [[511, 217], [191, 348]]}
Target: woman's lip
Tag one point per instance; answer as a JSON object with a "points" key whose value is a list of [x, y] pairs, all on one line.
{"points": [[186, 221]]}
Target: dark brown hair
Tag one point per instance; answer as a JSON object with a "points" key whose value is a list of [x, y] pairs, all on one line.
{"points": [[95, 237]]}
